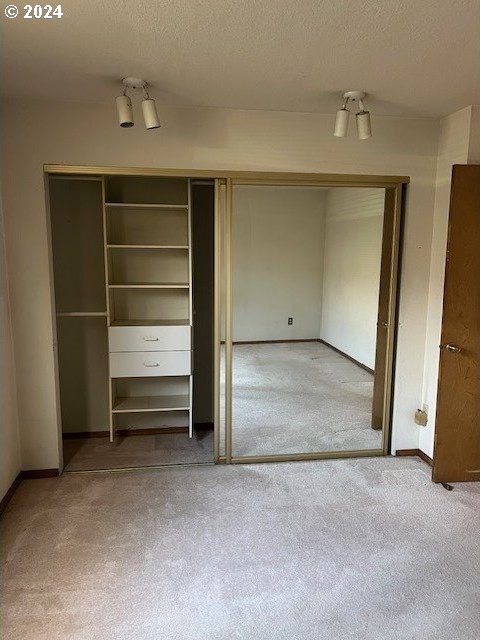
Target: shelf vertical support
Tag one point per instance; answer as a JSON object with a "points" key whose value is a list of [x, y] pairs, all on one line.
{"points": [[190, 310], [217, 325], [107, 301], [228, 322]]}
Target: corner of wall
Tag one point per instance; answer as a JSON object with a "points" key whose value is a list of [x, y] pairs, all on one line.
{"points": [[454, 142]]}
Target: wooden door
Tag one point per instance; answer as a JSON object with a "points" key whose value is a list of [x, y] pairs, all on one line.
{"points": [[457, 435], [383, 320]]}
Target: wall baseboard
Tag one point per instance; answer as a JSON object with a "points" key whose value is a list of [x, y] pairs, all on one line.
{"points": [[345, 355], [30, 474], [35, 474], [10, 491], [85, 434], [415, 452], [272, 341]]}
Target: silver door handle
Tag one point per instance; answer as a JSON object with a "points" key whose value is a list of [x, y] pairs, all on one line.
{"points": [[147, 339], [452, 348]]}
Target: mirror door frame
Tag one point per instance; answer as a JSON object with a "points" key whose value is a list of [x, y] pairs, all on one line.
{"points": [[387, 315]]}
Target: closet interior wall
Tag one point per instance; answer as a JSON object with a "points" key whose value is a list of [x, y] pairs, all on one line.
{"points": [[203, 222]]}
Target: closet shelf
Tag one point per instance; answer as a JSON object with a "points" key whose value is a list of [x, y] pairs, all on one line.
{"points": [[147, 246], [133, 205], [140, 322], [144, 404], [151, 285]]}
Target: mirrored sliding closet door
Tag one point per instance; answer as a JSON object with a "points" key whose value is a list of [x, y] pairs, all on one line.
{"points": [[308, 319]]}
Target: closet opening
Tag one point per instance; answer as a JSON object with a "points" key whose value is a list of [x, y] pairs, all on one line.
{"points": [[133, 277], [187, 309]]}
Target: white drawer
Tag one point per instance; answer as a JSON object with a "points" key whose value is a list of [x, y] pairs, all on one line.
{"points": [[163, 338], [150, 363]]}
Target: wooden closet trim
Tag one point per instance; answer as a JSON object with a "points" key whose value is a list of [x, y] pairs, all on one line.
{"points": [[250, 177]]}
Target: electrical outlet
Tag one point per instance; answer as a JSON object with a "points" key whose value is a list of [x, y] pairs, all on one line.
{"points": [[290, 321]]}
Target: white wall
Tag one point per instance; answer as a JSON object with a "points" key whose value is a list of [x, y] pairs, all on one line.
{"points": [[453, 148], [474, 143], [351, 277], [35, 133], [10, 462], [277, 251]]}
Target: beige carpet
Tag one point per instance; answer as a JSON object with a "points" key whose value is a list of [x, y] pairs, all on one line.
{"points": [[298, 398], [87, 454], [333, 550]]}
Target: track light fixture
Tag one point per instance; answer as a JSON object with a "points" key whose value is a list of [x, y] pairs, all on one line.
{"points": [[364, 127], [124, 105]]}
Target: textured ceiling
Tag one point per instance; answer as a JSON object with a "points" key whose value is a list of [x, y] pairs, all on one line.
{"points": [[415, 57]]}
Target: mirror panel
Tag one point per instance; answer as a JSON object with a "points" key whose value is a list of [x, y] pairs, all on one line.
{"points": [[309, 287]]}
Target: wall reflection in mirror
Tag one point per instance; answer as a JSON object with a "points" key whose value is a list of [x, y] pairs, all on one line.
{"points": [[308, 356]]}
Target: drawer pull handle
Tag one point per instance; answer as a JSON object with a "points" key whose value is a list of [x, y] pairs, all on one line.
{"points": [[151, 364], [147, 339]]}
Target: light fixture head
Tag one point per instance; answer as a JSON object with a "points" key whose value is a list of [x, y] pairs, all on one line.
{"points": [[341, 123], [364, 126], [124, 111], [150, 113]]}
